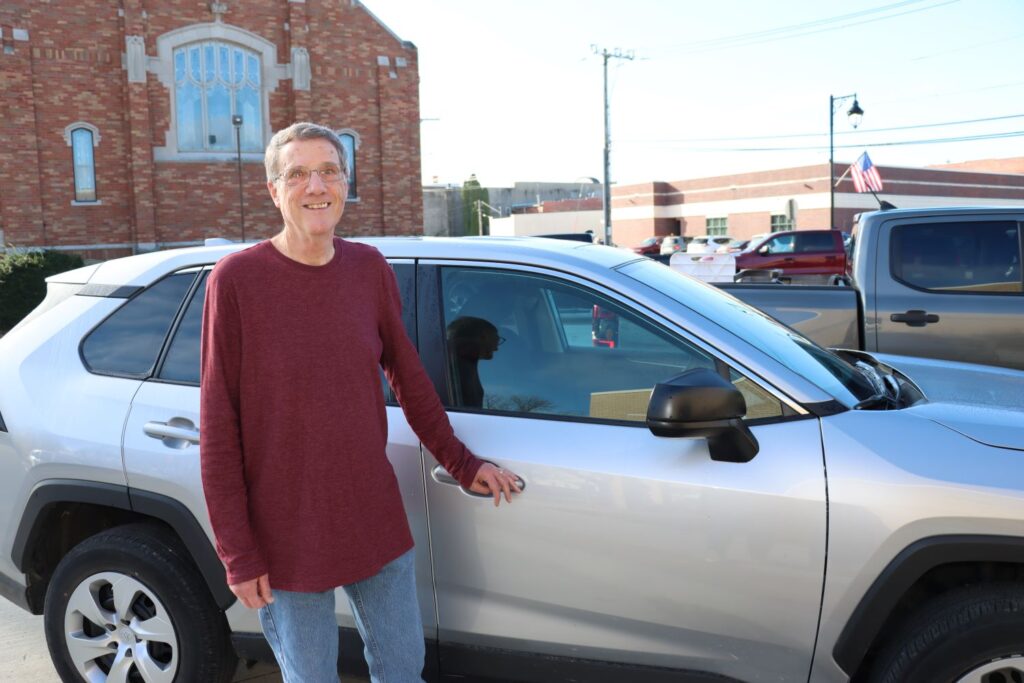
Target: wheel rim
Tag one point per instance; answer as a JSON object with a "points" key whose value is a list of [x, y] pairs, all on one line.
{"points": [[118, 631], [1005, 670]]}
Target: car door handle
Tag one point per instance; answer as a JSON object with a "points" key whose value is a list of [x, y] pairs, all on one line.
{"points": [[178, 432], [914, 318], [441, 476], [788, 259]]}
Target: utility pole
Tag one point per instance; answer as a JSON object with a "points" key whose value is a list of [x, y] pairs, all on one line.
{"points": [[480, 204], [606, 198]]}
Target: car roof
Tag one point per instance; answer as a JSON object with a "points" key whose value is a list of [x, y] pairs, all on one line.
{"points": [[144, 269]]}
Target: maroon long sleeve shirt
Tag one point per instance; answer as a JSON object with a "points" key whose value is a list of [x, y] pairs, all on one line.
{"points": [[293, 427]]}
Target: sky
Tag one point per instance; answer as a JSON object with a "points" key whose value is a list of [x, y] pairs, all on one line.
{"points": [[513, 91]]}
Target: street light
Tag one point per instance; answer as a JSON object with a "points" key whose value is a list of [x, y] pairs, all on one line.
{"points": [[855, 115], [236, 121]]}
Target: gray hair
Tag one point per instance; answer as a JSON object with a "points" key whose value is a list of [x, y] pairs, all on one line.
{"points": [[301, 131]]}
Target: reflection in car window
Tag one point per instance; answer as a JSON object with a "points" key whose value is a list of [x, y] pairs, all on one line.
{"points": [[182, 361], [529, 344], [127, 343], [780, 245], [959, 257]]}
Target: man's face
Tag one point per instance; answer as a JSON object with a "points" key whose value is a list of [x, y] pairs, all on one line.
{"points": [[311, 209]]}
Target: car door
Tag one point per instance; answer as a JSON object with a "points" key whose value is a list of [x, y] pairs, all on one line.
{"points": [[950, 288], [817, 252], [624, 549], [161, 450], [775, 254]]}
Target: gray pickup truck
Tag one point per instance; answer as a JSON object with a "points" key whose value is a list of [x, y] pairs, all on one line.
{"points": [[942, 283]]}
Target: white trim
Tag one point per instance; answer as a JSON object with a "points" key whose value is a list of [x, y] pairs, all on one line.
{"points": [[163, 67], [75, 202], [823, 179], [70, 128], [844, 200]]}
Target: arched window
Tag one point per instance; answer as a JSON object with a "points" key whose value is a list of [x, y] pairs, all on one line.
{"points": [[350, 141], [214, 80], [82, 138]]}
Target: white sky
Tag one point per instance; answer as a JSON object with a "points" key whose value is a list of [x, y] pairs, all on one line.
{"points": [[517, 92]]}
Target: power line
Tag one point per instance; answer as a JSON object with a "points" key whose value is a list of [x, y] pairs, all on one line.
{"points": [[796, 30], [859, 145], [815, 135]]}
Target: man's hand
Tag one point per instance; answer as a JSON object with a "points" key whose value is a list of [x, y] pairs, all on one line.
{"points": [[254, 593], [495, 481]]}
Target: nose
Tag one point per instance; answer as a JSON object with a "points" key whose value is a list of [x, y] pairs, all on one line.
{"points": [[314, 177]]}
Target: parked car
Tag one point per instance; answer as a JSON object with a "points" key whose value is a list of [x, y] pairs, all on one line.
{"points": [[733, 247], [651, 245], [708, 495], [797, 252], [708, 244], [941, 283], [673, 243]]}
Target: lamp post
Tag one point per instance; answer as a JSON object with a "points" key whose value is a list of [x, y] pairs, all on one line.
{"points": [[855, 114], [236, 121]]}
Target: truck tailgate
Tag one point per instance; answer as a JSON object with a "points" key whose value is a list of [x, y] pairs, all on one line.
{"points": [[828, 315]]}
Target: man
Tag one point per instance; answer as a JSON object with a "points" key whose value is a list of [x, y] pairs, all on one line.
{"points": [[301, 496]]}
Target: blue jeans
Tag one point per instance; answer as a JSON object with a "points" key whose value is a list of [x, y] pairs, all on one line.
{"points": [[302, 630]]}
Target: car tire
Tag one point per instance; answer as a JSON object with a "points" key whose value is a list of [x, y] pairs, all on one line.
{"points": [[128, 604], [971, 635]]}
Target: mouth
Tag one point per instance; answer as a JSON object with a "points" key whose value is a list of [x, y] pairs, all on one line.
{"points": [[319, 206]]}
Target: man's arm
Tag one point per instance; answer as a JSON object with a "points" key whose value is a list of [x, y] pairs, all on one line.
{"points": [[221, 455], [421, 405]]}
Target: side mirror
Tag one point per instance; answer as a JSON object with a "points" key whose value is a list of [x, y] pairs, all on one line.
{"points": [[701, 403]]}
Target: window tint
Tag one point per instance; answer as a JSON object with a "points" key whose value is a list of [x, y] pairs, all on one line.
{"points": [[807, 242], [959, 257], [182, 361], [127, 342], [528, 344], [405, 274]]}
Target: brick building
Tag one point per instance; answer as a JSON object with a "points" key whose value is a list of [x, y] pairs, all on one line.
{"points": [[116, 118], [798, 198]]}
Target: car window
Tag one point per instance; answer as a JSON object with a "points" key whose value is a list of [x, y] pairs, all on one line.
{"points": [[810, 242], [523, 343], [779, 245], [970, 257], [181, 363], [128, 341]]}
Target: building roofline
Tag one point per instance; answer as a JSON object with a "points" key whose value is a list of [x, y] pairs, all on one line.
{"points": [[407, 44]]}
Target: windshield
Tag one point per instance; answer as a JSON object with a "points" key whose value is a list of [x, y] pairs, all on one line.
{"points": [[822, 367]]}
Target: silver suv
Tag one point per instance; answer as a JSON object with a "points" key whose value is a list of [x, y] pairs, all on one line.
{"points": [[708, 495]]}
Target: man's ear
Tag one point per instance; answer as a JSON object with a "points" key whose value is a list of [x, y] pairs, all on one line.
{"points": [[272, 186]]}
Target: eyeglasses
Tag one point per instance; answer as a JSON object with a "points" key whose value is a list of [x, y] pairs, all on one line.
{"points": [[294, 177], [501, 340]]}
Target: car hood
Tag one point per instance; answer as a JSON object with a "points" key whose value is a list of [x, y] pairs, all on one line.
{"points": [[990, 426], [962, 383]]}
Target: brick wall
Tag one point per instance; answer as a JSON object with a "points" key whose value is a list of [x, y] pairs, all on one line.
{"points": [[72, 67]]}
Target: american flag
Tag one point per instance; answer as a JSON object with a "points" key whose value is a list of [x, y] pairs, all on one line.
{"points": [[865, 175]]}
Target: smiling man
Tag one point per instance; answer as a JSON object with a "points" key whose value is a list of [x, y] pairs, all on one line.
{"points": [[301, 496]]}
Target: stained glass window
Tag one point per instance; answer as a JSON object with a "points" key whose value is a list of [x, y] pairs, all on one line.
{"points": [[212, 82], [85, 168]]}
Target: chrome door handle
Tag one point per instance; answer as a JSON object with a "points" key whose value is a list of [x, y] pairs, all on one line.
{"points": [[178, 432], [441, 476]]}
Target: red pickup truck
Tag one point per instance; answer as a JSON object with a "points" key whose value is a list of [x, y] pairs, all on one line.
{"points": [[797, 252]]}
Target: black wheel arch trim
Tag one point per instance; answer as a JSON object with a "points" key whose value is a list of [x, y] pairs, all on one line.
{"points": [[902, 572], [170, 511]]}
